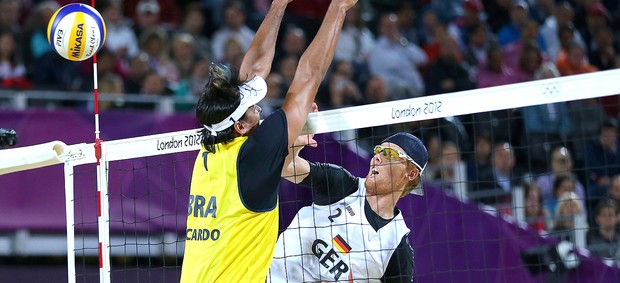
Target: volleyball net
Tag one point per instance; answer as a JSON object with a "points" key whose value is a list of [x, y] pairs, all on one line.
{"points": [[131, 223]]}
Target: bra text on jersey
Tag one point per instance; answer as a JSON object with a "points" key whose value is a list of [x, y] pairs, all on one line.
{"points": [[200, 207]]}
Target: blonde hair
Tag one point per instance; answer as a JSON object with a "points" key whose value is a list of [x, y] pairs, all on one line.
{"points": [[568, 197], [413, 183]]}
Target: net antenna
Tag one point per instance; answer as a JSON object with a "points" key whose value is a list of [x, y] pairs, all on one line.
{"points": [[103, 216]]}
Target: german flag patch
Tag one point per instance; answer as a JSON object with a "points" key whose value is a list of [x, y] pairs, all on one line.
{"points": [[341, 244]]}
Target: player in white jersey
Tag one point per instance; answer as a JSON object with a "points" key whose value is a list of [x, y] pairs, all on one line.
{"points": [[353, 230]]}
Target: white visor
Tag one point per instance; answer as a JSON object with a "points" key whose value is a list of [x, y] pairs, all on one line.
{"points": [[251, 93]]}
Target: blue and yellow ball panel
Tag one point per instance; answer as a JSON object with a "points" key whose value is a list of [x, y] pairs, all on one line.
{"points": [[76, 31]]}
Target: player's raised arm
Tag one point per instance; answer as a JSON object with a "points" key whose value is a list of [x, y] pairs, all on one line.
{"points": [[295, 168], [312, 67], [259, 57]]}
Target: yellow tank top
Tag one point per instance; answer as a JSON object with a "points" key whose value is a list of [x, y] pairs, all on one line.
{"points": [[225, 242]]}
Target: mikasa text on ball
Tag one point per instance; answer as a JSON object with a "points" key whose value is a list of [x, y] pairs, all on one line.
{"points": [[76, 31]]}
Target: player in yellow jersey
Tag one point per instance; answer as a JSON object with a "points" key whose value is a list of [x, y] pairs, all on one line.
{"points": [[232, 223]]}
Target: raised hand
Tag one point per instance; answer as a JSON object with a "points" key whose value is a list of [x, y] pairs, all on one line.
{"points": [[306, 140], [348, 4]]}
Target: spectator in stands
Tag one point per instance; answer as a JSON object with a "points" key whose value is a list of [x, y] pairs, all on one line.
{"points": [[235, 27], [493, 71], [603, 159], [562, 184], [275, 94], [155, 84], [498, 14], [537, 216], [121, 38], [545, 126], [184, 58], [293, 44], [495, 184], [475, 51], [200, 76], [575, 62], [12, 69], [342, 90], [480, 160], [568, 208], [10, 15], [613, 193], [561, 162], [452, 173], [530, 61], [433, 141], [107, 63], [194, 24], [447, 73], [431, 29], [604, 241], [396, 60], [472, 18], [233, 53], [111, 85], [602, 54], [586, 117], [355, 43], [155, 42], [182, 54], [147, 17], [166, 12], [511, 32], [286, 67], [395, 172], [596, 18], [528, 37], [432, 41], [138, 70], [562, 16]]}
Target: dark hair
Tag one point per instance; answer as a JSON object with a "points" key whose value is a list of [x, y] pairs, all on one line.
{"points": [[219, 99], [235, 4], [14, 58], [529, 47], [559, 179], [605, 203]]}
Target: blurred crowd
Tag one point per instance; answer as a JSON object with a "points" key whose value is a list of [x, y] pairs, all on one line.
{"points": [[566, 155]]}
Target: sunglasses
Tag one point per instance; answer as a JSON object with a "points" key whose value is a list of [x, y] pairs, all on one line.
{"points": [[393, 154]]}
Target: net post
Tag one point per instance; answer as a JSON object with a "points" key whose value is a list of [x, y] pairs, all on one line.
{"points": [[69, 210], [103, 218]]}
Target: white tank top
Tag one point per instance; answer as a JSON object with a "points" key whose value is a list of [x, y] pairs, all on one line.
{"points": [[335, 243]]}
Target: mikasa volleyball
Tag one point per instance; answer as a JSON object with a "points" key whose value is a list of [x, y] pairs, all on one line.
{"points": [[76, 31]]}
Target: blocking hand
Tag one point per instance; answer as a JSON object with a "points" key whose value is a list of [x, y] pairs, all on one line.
{"points": [[306, 140]]}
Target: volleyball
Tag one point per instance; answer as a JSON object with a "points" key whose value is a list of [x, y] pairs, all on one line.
{"points": [[76, 31]]}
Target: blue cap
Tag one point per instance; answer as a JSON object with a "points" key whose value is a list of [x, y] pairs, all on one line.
{"points": [[412, 146]]}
